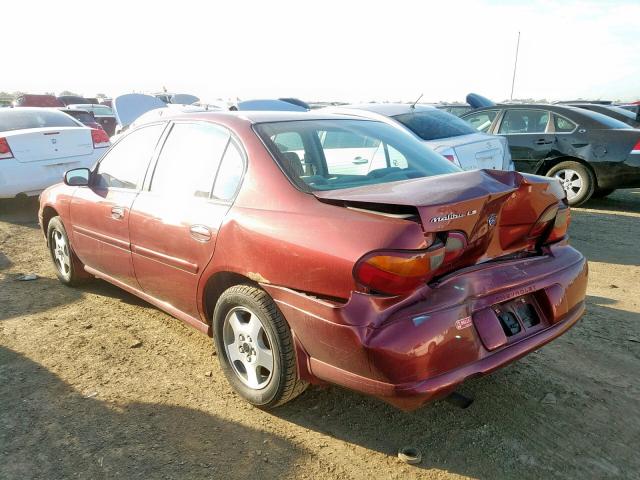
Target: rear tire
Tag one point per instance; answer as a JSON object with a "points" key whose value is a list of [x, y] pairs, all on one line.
{"points": [[67, 266], [577, 180], [602, 192], [255, 347]]}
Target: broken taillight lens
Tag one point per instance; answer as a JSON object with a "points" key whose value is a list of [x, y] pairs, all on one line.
{"points": [[544, 222], [560, 225], [398, 272], [454, 246]]}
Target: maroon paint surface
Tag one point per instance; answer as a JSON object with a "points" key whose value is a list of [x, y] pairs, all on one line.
{"points": [[301, 248]]}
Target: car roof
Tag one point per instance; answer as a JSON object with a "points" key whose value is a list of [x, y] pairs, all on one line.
{"points": [[546, 106], [387, 109], [263, 116]]}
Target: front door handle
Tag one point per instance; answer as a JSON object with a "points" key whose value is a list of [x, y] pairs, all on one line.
{"points": [[200, 233], [117, 212], [542, 141]]}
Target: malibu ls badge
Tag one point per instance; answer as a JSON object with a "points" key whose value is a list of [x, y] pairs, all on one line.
{"points": [[452, 216]]}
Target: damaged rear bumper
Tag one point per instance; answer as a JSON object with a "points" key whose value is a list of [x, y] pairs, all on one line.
{"points": [[414, 350]]}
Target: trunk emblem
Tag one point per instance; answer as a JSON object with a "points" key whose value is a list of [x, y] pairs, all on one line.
{"points": [[54, 141], [452, 216], [492, 220]]}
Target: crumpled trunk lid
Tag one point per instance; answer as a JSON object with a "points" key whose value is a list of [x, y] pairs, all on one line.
{"points": [[494, 209]]}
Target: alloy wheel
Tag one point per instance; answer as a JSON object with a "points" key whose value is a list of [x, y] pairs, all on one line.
{"points": [[571, 181], [61, 256], [248, 347]]}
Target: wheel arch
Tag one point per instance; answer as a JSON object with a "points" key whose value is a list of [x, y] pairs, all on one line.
{"points": [[218, 283], [549, 164], [48, 212]]}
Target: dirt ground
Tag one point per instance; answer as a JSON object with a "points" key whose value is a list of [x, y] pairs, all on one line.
{"points": [[77, 401]]}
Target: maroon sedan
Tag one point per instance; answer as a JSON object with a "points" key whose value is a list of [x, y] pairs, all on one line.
{"points": [[319, 249]]}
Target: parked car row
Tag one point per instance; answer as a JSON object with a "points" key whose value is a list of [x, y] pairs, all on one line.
{"points": [[592, 154]]}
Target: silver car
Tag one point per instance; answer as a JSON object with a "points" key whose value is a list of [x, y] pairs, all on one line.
{"points": [[443, 132]]}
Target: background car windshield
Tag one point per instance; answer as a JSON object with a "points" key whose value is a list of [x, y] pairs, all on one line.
{"points": [[435, 124], [336, 154], [16, 119]]}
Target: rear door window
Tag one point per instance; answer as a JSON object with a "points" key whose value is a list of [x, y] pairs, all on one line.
{"points": [[563, 125], [229, 173], [189, 160], [482, 121], [125, 164], [524, 121]]}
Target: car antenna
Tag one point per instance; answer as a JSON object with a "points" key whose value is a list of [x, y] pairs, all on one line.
{"points": [[413, 105]]}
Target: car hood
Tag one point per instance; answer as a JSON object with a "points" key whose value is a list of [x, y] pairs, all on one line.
{"points": [[478, 101], [127, 108]]}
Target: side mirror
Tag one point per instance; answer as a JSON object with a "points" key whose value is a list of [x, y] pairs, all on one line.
{"points": [[78, 177]]}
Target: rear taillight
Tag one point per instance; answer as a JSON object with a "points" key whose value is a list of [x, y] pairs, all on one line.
{"points": [[560, 225], [5, 150], [636, 147], [398, 272], [454, 246], [100, 138], [544, 222], [453, 159]]}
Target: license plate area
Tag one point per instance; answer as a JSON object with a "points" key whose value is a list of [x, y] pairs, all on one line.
{"points": [[520, 317], [508, 322]]}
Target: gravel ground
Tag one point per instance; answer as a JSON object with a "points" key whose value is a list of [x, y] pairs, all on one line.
{"points": [[95, 383]]}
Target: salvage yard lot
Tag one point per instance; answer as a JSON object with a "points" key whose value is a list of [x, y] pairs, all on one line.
{"points": [[95, 383]]}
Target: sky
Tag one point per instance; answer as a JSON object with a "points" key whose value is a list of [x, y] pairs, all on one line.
{"points": [[345, 50]]}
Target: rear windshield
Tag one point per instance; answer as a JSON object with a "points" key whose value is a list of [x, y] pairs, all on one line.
{"points": [[621, 111], [337, 154], [102, 111], [604, 120], [80, 115], [16, 119], [435, 124]]}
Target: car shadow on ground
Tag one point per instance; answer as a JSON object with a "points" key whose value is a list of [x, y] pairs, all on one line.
{"points": [[513, 429], [21, 211], [42, 294], [627, 200], [49, 430]]}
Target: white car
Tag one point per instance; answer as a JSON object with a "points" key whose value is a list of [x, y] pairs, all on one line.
{"points": [[37, 145], [443, 132]]}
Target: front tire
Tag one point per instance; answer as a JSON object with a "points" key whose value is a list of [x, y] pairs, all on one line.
{"points": [[255, 347], [577, 180], [66, 264]]}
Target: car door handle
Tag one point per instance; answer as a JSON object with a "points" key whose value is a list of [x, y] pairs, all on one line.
{"points": [[200, 233], [360, 161], [542, 141], [117, 212]]}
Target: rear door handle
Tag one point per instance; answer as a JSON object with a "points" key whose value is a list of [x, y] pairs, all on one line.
{"points": [[542, 141], [117, 212], [200, 233], [360, 161]]}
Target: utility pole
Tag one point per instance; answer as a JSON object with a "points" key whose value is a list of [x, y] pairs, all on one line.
{"points": [[515, 65]]}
